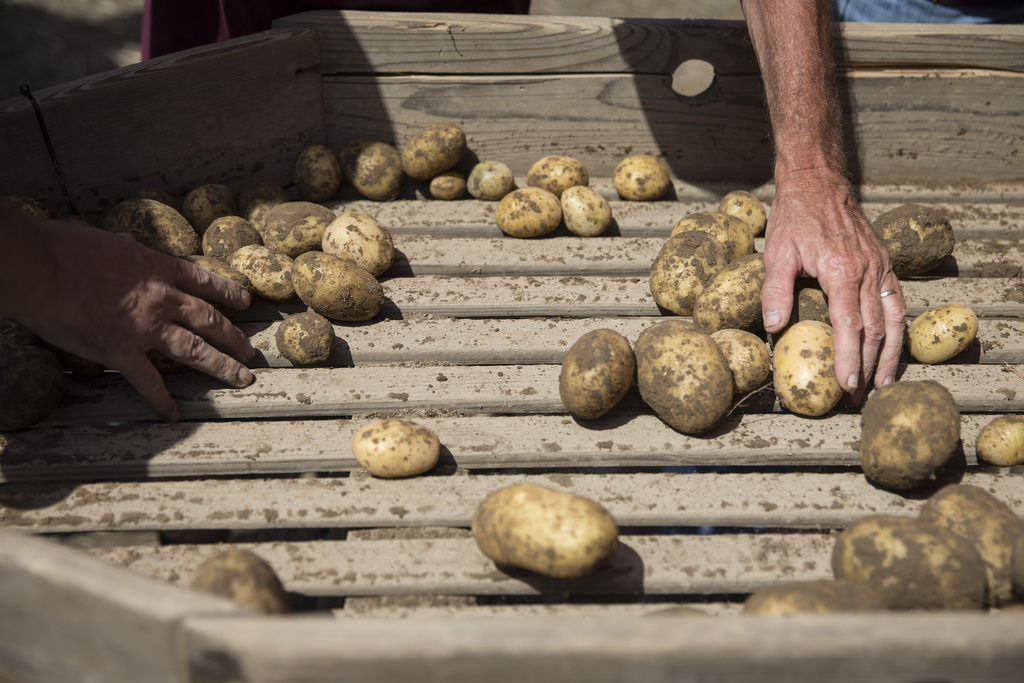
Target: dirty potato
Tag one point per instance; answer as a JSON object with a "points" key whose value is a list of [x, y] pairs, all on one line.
{"points": [[31, 386], [316, 173], [987, 522], [942, 332], [448, 186], [336, 288], [294, 228], [374, 168], [360, 238], [243, 577], [433, 150], [748, 208], [269, 271], [748, 358], [543, 530], [683, 266], [911, 564], [596, 373], [13, 334], [917, 237], [641, 177], [683, 376], [305, 338], [391, 448], [228, 234], [156, 194], [585, 211], [732, 298], [28, 206], [1001, 441], [528, 212], [490, 181], [557, 174], [733, 233], [909, 429], [257, 197], [155, 225], [805, 372], [206, 203], [814, 597]]}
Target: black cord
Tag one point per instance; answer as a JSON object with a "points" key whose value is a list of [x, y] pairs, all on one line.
{"points": [[26, 91]]}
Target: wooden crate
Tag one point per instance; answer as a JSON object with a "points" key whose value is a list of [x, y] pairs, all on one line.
{"points": [[470, 342]]}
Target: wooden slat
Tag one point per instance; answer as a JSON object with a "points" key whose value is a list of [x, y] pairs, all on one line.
{"points": [[798, 500], [66, 614], [396, 608], [215, 449], [501, 389]]}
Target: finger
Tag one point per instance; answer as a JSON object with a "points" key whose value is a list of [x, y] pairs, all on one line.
{"points": [[777, 292], [204, 320], [894, 310], [146, 379], [847, 327], [189, 348], [873, 332], [209, 286]]}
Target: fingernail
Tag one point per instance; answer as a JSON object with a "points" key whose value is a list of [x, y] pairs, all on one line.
{"points": [[772, 318], [852, 381], [887, 381], [245, 378]]}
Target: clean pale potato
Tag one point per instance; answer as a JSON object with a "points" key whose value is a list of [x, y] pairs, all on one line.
{"points": [[683, 376], [682, 268], [911, 564], [391, 448], [557, 174], [1001, 441], [206, 203], [748, 357], [269, 271], [917, 237], [433, 150], [528, 212], [732, 298], [317, 173], [821, 596], [373, 167], [305, 338], [805, 372], [909, 429], [294, 228], [448, 186], [596, 373], [748, 208], [641, 177], [733, 233], [543, 530], [243, 577], [585, 212], [360, 238], [155, 225], [940, 333], [490, 180], [31, 386], [228, 234], [336, 288]]}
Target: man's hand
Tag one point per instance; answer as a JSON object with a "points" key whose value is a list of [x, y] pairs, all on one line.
{"points": [[106, 298]]}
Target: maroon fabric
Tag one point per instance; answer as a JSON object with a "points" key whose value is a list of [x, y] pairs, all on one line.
{"points": [[173, 25]]}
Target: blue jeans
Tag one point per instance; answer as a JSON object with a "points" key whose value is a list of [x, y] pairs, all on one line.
{"points": [[925, 12]]}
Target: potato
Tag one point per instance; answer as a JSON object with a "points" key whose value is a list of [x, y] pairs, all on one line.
{"points": [[1001, 441], [336, 288], [228, 234], [77, 365], [433, 150], [374, 168], [748, 208], [987, 522], [733, 233], [597, 371], [31, 386], [155, 225], [317, 173], [814, 597], [360, 238], [683, 266], [269, 271], [294, 228], [243, 577], [156, 194], [448, 186], [805, 372], [13, 335], [732, 298], [942, 332], [909, 429], [683, 376], [916, 237], [585, 212], [546, 531], [305, 338], [748, 358], [28, 206], [257, 197], [490, 180], [206, 203], [557, 174], [528, 212], [912, 565], [641, 177], [396, 448], [1017, 568]]}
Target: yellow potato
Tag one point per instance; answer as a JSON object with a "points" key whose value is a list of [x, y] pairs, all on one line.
{"points": [[374, 168], [942, 332], [305, 338], [228, 234], [585, 211], [294, 228], [748, 358], [683, 266], [360, 238], [557, 174], [1001, 441], [336, 288], [257, 197], [748, 208], [490, 180], [546, 531], [814, 597], [317, 173], [244, 577], [155, 225], [528, 212], [448, 186], [392, 448], [596, 373], [156, 194], [207, 203], [433, 150], [732, 298], [641, 177], [805, 372], [733, 233], [269, 271]]}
